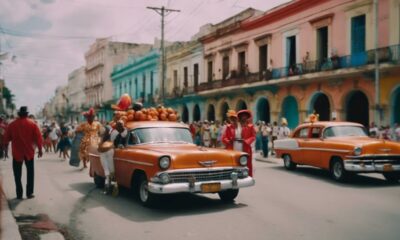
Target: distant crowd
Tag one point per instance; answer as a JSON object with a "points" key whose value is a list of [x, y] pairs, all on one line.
{"points": [[385, 132]]}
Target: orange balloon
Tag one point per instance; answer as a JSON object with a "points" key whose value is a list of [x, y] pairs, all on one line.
{"points": [[138, 115], [163, 116]]}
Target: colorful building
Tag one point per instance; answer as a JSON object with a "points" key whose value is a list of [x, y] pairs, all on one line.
{"points": [[139, 77], [301, 57], [102, 56]]}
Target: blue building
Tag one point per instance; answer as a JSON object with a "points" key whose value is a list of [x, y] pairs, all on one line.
{"points": [[139, 77]]}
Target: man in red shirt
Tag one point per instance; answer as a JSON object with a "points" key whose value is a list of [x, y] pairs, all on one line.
{"points": [[24, 135]]}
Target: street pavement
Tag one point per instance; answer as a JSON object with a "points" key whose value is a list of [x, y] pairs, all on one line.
{"points": [[304, 204]]}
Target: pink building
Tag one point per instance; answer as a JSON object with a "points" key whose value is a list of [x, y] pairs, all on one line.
{"points": [[306, 56]]}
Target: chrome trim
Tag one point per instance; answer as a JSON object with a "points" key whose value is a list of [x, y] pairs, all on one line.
{"points": [[373, 167], [196, 187], [315, 149], [133, 161], [372, 156], [203, 169]]}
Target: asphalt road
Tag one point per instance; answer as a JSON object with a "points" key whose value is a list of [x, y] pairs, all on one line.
{"points": [[305, 204]]}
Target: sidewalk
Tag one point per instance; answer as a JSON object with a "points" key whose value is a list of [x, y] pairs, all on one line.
{"points": [[9, 227]]}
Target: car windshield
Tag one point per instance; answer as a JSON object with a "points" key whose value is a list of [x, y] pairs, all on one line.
{"points": [[345, 131], [160, 135]]}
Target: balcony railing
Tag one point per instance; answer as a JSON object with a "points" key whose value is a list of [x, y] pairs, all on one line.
{"points": [[390, 54]]}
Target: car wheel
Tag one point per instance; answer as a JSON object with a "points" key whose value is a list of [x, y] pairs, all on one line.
{"points": [[99, 181], [228, 195], [288, 163], [392, 177], [337, 170], [145, 197]]}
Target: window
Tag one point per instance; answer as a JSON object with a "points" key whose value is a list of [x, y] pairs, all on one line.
{"points": [[225, 67], [151, 82], [175, 78], [302, 133], [144, 87], [291, 51], [210, 71], [315, 132], [185, 77], [358, 34], [262, 59], [196, 74], [322, 44], [242, 62], [136, 88]]}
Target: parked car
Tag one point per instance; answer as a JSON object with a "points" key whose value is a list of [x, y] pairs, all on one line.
{"points": [[160, 158], [343, 148]]}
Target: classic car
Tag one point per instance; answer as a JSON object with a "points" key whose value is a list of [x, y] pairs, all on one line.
{"points": [[343, 148], [160, 158]]}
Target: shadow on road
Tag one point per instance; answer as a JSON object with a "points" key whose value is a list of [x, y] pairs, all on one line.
{"points": [[125, 205], [363, 181]]}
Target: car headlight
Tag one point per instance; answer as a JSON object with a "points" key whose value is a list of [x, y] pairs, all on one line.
{"points": [[164, 178], [164, 162], [357, 151], [243, 160]]}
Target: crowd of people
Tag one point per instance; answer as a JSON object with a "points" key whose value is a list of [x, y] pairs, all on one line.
{"points": [[237, 132]]}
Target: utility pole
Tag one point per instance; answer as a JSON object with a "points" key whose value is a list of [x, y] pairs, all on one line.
{"points": [[162, 12], [378, 113]]}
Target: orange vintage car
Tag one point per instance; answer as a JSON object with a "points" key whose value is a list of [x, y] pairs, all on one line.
{"points": [[160, 158], [343, 148]]}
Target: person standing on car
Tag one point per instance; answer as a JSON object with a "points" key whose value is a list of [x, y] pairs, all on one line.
{"points": [[240, 134], [24, 136]]}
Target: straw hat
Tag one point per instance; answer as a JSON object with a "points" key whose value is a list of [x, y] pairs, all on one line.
{"points": [[231, 113], [284, 121]]}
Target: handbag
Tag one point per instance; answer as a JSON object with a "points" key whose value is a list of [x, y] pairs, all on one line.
{"points": [[105, 146]]}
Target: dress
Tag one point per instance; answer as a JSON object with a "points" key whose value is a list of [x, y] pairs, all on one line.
{"points": [[90, 135]]}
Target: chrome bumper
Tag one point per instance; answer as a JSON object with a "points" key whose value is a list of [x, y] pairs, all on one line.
{"points": [[370, 167], [196, 188]]}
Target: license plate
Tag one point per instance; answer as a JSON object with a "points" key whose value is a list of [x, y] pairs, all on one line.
{"points": [[210, 187], [387, 168]]}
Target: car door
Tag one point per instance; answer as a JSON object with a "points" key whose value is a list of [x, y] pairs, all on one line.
{"points": [[301, 136], [313, 145]]}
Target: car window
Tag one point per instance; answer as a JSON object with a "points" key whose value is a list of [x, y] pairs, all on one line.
{"points": [[345, 131], [315, 132], [301, 133]]}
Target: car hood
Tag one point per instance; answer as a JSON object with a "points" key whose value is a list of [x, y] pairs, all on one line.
{"points": [[192, 156]]}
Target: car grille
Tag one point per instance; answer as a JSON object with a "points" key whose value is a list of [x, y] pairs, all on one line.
{"points": [[201, 176]]}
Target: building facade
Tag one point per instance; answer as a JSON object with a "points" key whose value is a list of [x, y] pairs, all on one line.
{"points": [[76, 95], [139, 77], [102, 56], [302, 57]]}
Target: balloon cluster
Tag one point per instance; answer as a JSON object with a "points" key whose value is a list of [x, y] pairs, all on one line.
{"points": [[128, 112]]}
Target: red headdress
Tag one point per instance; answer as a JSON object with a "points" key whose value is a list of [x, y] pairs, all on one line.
{"points": [[89, 113], [124, 103]]}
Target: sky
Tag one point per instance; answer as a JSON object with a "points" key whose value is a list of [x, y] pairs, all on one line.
{"points": [[46, 39]]}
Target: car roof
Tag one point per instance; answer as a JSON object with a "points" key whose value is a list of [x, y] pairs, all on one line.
{"points": [[330, 124], [155, 124]]}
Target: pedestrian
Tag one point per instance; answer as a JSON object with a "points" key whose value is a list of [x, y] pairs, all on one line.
{"points": [[240, 134], [258, 136], [54, 135], [64, 145], [265, 132], [214, 133], [397, 132], [373, 130], [284, 131], [3, 127], [206, 134], [91, 130], [24, 136], [275, 132]]}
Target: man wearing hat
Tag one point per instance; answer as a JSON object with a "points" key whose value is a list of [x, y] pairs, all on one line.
{"points": [[240, 134], [24, 135]]}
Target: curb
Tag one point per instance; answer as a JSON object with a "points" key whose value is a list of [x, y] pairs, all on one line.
{"points": [[9, 227]]}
